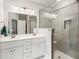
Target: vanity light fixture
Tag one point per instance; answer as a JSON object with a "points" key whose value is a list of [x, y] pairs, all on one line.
{"points": [[46, 14], [32, 11], [18, 8], [58, 0], [50, 15], [22, 9], [54, 16], [15, 8], [27, 10]]}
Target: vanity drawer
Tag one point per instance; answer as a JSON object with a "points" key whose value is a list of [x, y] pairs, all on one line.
{"points": [[27, 42], [27, 48], [11, 44], [27, 53], [27, 56]]}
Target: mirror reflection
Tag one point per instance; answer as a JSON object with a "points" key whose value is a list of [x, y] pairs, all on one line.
{"points": [[21, 23]]}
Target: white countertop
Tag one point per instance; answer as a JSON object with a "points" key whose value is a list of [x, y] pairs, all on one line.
{"points": [[19, 37]]}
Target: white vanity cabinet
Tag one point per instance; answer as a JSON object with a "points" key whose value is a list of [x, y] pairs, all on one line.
{"points": [[27, 49], [11, 50], [18, 53], [38, 48], [6, 54], [12, 53]]}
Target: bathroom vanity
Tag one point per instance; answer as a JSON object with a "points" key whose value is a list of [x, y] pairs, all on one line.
{"points": [[22, 47]]}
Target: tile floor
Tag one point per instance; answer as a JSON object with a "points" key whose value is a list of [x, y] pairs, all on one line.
{"points": [[59, 55]]}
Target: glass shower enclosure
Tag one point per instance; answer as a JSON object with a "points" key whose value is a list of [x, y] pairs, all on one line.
{"points": [[66, 33]]}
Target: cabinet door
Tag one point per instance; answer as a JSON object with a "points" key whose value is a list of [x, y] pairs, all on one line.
{"points": [[6, 54], [38, 48], [17, 53], [34, 51], [20, 53]]}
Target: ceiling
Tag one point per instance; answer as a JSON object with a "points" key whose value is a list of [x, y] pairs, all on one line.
{"points": [[44, 2]]}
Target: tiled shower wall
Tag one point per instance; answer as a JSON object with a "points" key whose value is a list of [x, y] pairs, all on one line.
{"points": [[67, 39]]}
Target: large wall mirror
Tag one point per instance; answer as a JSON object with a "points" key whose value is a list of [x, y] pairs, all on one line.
{"points": [[21, 23]]}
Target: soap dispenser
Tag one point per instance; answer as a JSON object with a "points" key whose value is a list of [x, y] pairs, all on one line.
{"points": [[3, 31]]}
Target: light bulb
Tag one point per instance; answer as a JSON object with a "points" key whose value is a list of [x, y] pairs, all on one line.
{"points": [[27, 10], [15, 8], [21, 9], [58, 0], [32, 11]]}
